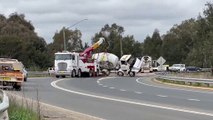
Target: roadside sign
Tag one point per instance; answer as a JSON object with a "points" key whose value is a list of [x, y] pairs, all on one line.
{"points": [[161, 60]]}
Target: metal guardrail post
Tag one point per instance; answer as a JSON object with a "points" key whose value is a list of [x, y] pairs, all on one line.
{"points": [[4, 106]]}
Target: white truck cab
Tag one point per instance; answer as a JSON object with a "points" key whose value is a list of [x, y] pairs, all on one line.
{"points": [[65, 62], [70, 64]]}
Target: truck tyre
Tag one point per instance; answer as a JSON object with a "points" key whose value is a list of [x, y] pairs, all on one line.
{"points": [[17, 87], [132, 74], [79, 73], [25, 79], [73, 74], [63, 76], [107, 73], [119, 73], [97, 73], [57, 76], [90, 73]]}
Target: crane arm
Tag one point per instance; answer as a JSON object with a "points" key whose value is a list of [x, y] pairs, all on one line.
{"points": [[87, 52]]}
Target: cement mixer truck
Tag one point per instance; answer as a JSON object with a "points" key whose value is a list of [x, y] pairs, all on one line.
{"points": [[106, 61], [146, 65], [129, 66]]}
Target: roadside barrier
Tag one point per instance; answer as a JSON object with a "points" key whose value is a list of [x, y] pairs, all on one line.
{"points": [[190, 81]]}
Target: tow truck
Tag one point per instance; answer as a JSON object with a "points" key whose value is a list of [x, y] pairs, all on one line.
{"points": [[77, 64]]}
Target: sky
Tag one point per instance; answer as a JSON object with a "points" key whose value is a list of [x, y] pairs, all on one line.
{"points": [[138, 17]]}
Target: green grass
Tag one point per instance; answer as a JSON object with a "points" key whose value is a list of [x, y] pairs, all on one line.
{"points": [[18, 112]]}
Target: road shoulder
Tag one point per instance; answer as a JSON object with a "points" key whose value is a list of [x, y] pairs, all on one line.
{"points": [[50, 112]]}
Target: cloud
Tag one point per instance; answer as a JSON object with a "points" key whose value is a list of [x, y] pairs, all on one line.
{"points": [[138, 17]]}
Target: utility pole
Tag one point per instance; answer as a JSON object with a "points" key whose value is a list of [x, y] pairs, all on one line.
{"points": [[65, 47], [121, 49], [64, 35]]}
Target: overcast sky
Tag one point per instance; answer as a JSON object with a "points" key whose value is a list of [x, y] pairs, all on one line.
{"points": [[138, 17]]}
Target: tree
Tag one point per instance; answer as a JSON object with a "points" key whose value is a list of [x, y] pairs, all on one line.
{"points": [[152, 45], [72, 39], [114, 38], [18, 40]]}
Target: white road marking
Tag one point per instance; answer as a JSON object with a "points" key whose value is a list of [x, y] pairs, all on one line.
{"points": [[131, 102], [98, 81], [111, 88], [162, 96], [122, 90], [139, 82], [137, 92], [194, 100]]}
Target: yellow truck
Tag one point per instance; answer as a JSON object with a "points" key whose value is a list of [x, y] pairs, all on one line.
{"points": [[11, 73]]}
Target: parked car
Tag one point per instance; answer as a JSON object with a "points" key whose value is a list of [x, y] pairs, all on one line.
{"points": [[177, 68], [193, 69], [25, 74], [51, 71]]}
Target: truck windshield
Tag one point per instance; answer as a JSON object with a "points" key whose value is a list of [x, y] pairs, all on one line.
{"points": [[63, 57]]}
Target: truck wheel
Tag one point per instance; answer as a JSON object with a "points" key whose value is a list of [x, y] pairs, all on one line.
{"points": [[73, 73], [63, 76], [17, 87], [90, 73], [79, 73], [25, 79], [119, 73], [97, 73], [131, 74], [57, 76], [107, 72]]}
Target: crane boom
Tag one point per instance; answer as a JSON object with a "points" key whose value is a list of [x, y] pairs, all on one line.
{"points": [[87, 52]]}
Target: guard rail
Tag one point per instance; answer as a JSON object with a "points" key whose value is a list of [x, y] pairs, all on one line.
{"points": [[208, 82]]}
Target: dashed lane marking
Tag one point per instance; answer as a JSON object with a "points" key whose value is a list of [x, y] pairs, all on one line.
{"points": [[163, 96], [137, 92], [193, 100], [122, 90], [131, 102]]}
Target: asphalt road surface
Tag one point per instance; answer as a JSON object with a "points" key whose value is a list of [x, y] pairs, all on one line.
{"points": [[119, 98]]}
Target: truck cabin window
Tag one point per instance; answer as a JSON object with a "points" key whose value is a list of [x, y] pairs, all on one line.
{"points": [[63, 57]]}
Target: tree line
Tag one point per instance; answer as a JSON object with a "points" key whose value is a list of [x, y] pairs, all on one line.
{"points": [[189, 42]]}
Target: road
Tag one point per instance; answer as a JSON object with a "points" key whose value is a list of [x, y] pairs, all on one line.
{"points": [[119, 98]]}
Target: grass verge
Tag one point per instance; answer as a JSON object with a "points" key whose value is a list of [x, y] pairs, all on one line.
{"points": [[19, 112]]}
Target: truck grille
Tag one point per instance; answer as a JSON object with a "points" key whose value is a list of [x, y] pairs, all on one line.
{"points": [[62, 66]]}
